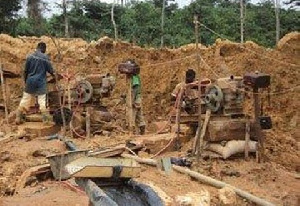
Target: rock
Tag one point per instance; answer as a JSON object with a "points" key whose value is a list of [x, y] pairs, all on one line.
{"points": [[230, 172], [183, 201], [227, 197], [40, 153], [31, 181], [201, 198], [2, 134], [143, 154], [5, 156]]}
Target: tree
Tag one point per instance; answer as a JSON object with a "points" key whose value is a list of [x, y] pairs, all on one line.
{"points": [[8, 14], [34, 12], [277, 9], [64, 6]]}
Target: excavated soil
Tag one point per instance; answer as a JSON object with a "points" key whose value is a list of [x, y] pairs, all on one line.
{"points": [[161, 70]]}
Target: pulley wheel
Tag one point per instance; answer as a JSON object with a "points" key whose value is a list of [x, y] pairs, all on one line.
{"points": [[213, 98], [84, 91]]}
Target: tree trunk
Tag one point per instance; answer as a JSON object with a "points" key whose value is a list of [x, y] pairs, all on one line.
{"points": [[242, 19], [277, 8], [162, 23], [67, 35], [34, 12], [113, 20]]}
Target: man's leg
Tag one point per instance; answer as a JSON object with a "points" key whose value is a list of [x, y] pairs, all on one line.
{"points": [[140, 121], [23, 107], [42, 100]]}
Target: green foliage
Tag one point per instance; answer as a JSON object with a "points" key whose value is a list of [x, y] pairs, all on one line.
{"points": [[8, 12], [140, 22]]}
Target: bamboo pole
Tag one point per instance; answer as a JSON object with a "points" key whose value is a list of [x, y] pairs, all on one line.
{"points": [[258, 133], [203, 131], [88, 122], [178, 114], [4, 93], [129, 104], [247, 139], [205, 179]]}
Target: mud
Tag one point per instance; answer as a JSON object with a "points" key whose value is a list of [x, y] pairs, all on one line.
{"points": [[161, 70]]}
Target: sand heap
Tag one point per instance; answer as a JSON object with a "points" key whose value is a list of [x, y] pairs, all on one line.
{"points": [[162, 69]]}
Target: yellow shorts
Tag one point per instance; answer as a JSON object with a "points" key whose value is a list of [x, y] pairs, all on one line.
{"points": [[29, 100]]}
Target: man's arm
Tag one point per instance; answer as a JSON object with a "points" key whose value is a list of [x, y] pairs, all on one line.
{"points": [[49, 67], [26, 68]]}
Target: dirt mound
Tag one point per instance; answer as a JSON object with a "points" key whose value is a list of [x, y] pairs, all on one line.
{"points": [[162, 69], [290, 42]]}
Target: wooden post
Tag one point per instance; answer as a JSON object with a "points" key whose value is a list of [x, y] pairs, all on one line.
{"points": [[247, 139], [199, 138], [61, 95], [4, 93], [88, 122], [178, 114], [69, 102], [257, 126], [196, 21], [129, 104], [203, 131]]}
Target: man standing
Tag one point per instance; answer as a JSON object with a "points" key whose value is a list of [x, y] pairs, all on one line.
{"points": [[190, 94], [35, 77], [132, 71], [137, 100]]}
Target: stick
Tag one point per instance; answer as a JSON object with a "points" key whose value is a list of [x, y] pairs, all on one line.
{"points": [[201, 136], [203, 131], [260, 137], [61, 108], [129, 103], [247, 139], [88, 122], [205, 179], [178, 114], [4, 93]]}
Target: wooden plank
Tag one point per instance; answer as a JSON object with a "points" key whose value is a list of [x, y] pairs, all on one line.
{"points": [[4, 94], [39, 128], [230, 129], [88, 122], [107, 172], [102, 167], [129, 104], [108, 152], [21, 183], [247, 139]]}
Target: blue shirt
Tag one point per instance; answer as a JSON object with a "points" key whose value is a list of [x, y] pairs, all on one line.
{"points": [[35, 74]]}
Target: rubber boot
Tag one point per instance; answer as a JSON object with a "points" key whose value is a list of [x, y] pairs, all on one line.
{"points": [[142, 129], [19, 117]]}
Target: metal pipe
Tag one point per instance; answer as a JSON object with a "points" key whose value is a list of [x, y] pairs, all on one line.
{"points": [[97, 196]]}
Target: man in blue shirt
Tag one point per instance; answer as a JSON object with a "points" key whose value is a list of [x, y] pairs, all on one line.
{"points": [[35, 76]]}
